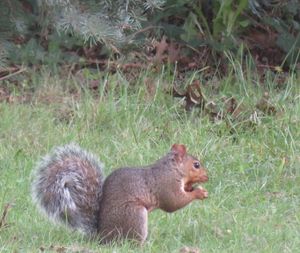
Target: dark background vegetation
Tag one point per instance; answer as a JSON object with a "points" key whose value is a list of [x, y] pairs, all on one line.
{"points": [[193, 34], [89, 40]]}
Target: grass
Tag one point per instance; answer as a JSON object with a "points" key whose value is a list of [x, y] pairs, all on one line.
{"points": [[254, 202]]}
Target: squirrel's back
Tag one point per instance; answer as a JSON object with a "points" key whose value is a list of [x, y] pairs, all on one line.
{"points": [[68, 186]]}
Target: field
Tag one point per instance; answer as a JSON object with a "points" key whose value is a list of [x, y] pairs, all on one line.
{"points": [[254, 186]]}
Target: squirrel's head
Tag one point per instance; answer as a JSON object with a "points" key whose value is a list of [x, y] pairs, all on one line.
{"points": [[192, 168]]}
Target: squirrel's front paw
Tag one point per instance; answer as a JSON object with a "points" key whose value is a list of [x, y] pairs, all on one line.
{"points": [[200, 193]]}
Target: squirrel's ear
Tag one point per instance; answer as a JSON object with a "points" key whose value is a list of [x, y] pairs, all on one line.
{"points": [[179, 151]]}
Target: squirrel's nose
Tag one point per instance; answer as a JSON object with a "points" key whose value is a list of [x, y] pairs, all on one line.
{"points": [[204, 178]]}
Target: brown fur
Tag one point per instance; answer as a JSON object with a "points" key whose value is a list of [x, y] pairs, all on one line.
{"points": [[120, 208]]}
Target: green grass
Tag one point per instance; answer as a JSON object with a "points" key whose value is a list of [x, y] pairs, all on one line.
{"points": [[254, 187]]}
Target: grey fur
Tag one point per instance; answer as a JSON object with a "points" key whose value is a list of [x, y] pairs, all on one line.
{"points": [[67, 187]]}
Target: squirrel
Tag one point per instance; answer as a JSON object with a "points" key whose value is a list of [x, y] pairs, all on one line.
{"points": [[69, 187]]}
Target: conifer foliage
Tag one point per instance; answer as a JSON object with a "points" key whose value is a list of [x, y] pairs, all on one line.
{"points": [[105, 21]]}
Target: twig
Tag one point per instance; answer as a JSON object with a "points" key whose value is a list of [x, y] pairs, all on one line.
{"points": [[8, 69], [4, 214], [113, 65], [143, 30], [12, 74]]}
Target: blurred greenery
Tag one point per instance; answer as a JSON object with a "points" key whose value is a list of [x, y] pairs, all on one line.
{"points": [[52, 32]]}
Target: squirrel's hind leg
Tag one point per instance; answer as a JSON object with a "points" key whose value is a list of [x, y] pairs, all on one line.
{"points": [[132, 225], [136, 224]]}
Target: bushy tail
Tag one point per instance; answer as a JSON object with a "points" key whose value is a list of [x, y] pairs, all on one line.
{"points": [[67, 186]]}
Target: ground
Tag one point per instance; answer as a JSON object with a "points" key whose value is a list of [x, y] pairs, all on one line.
{"points": [[254, 186]]}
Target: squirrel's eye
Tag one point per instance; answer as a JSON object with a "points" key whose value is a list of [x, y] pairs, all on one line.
{"points": [[196, 165]]}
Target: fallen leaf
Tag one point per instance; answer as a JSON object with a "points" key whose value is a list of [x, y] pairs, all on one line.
{"points": [[150, 88], [265, 105], [174, 52], [194, 96], [218, 232], [233, 107], [279, 195], [187, 249], [3, 223], [160, 49]]}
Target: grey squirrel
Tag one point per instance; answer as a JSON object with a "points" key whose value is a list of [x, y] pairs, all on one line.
{"points": [[70, 188]]}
